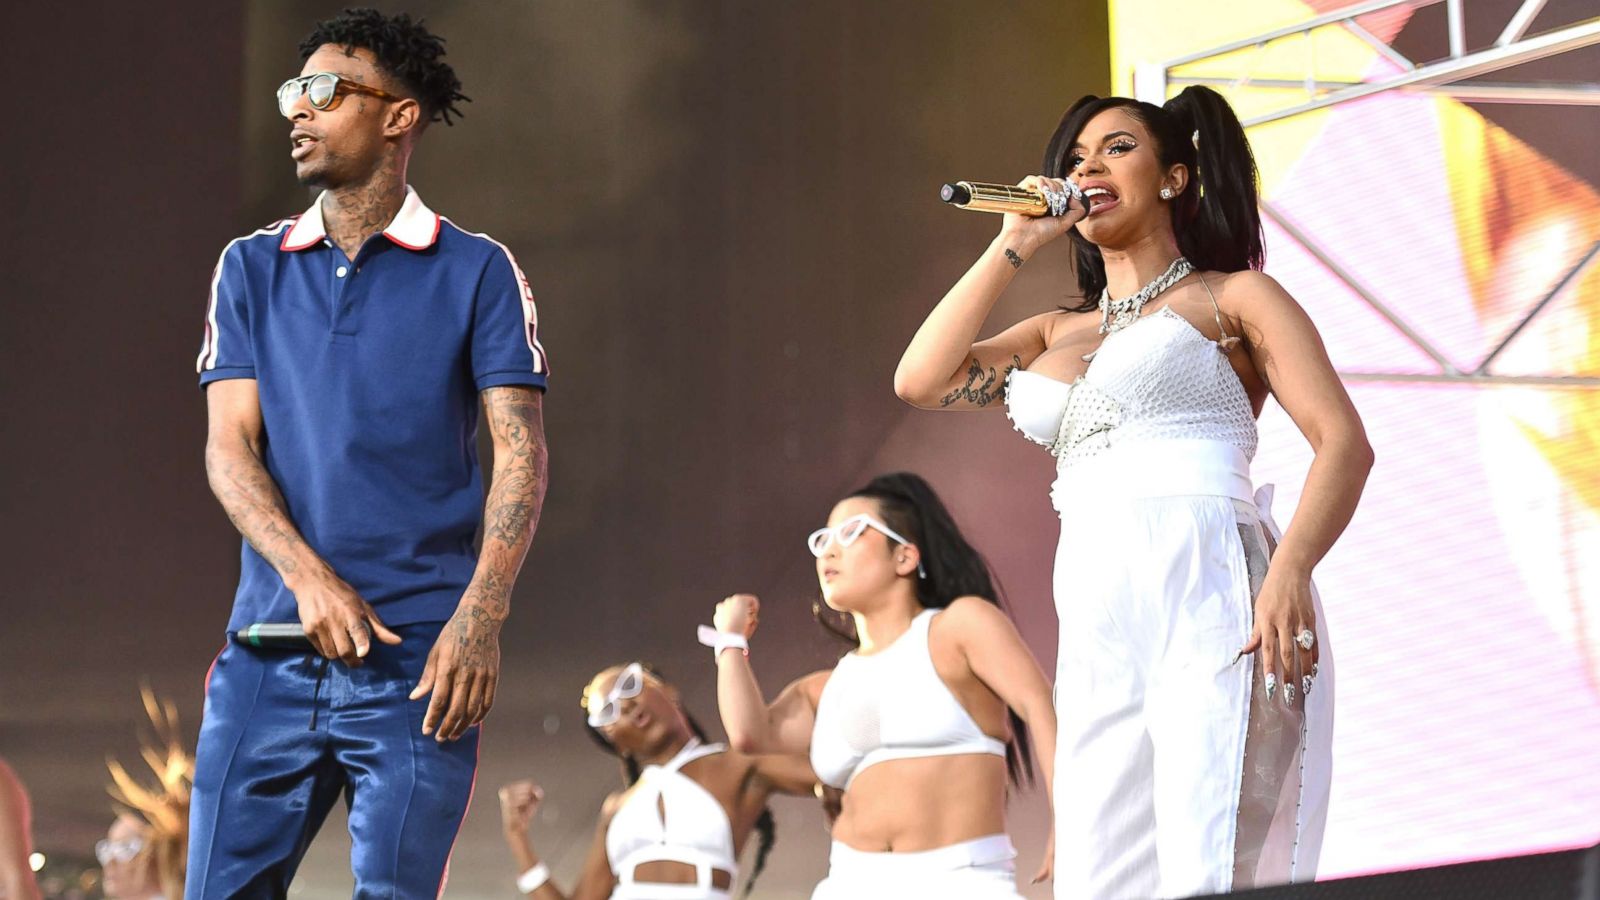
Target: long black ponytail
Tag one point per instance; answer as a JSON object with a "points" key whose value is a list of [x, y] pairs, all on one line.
{"points": [[1216, 219], [766, 826], [954, 569]]}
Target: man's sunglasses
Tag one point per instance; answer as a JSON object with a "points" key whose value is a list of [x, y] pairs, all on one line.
{"points": [[322, 90]]}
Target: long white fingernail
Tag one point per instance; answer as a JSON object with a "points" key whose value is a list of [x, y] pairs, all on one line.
{"points": [[1272, 685]]}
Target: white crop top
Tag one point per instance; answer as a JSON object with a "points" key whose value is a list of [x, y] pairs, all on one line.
{"points": [[670, 816], [891, 705]]}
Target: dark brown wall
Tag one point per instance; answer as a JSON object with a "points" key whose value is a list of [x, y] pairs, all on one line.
{"points": [[121, 172], [728, 213]]}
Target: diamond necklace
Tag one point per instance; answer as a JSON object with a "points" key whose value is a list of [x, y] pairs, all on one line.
{"points": [[1116, 315]]}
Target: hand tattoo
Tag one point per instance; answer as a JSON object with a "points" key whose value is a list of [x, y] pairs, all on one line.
{"points": [[477, 638]]}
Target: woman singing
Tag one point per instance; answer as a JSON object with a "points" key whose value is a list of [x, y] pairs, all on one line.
{"points": [[1173, 777], [912, 725]]}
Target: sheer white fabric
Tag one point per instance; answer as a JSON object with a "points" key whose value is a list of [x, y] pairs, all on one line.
{"points": [[1163, 546]]}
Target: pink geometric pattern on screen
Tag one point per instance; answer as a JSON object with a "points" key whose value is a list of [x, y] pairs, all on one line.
{"points": [[1537, 255], [1357, 337], [1372, 190], [1383, 25], [1463, 722]]}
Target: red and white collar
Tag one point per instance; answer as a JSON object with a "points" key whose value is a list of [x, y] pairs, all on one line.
{"points": [[415, 226]]}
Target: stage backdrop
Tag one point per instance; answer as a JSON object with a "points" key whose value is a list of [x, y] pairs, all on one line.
{"points": [[1464, 601]]}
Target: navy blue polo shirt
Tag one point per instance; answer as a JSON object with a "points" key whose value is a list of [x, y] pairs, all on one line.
{"points": [[369, 372]]}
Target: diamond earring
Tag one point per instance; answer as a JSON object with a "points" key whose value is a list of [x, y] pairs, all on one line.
{"points": [[1166, 193]]}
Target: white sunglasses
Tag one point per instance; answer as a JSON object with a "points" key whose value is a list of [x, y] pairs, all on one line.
{"points": [[847, 531], [628, 685], [107, 851]]}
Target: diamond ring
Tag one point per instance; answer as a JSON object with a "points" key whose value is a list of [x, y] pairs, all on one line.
{"points": [[1305, 639], [1057, 200]]}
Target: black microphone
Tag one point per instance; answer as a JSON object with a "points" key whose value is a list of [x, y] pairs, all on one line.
{"points": [[275, 636]]}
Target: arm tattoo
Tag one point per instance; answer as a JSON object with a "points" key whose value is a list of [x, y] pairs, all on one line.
{"points": [[511, 511], [1013, 258], [983, 386], [254, 504]]}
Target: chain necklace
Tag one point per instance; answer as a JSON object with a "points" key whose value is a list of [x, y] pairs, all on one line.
{"points": [[1116, 315]]}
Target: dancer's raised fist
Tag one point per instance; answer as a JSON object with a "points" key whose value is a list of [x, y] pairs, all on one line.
{"points": [[738, 614], [519, 801]]}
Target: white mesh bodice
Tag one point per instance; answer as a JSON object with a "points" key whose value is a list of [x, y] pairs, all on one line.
{"points": [[1157, 379]]}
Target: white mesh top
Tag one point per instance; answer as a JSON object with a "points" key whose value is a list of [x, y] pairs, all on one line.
{"points": [[1157, 379]]}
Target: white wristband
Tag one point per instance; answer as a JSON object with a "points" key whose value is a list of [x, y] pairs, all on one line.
{"points": [[533, 879], [719, 641]]}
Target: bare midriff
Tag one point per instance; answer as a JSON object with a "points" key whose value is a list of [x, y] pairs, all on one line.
{"points": [[909, 805], [665, 871]]}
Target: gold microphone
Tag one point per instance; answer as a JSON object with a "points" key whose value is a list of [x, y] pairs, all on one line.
{"points": [[981, 196]]}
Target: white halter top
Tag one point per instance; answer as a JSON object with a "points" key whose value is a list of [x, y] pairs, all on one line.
{"points": [[891, 705], [1157, 379], [670, 816]]}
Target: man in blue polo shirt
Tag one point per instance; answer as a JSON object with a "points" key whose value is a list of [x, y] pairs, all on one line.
{"points": [[346, 354]]}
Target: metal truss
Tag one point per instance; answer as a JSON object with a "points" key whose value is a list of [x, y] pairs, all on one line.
{"points": [[1447, 77]]}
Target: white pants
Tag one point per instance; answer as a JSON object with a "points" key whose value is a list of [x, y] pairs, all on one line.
{"points": [[1175, 775], [980, 869]]}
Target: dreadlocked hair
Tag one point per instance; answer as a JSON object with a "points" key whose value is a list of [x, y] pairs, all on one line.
{"points": [[766, 826], [908, 504], [1215, 220], [406, 51]]}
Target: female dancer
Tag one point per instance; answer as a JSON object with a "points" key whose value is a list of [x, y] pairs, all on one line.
{"points": [[1147, 394], [912, 725], [676, 831]]}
